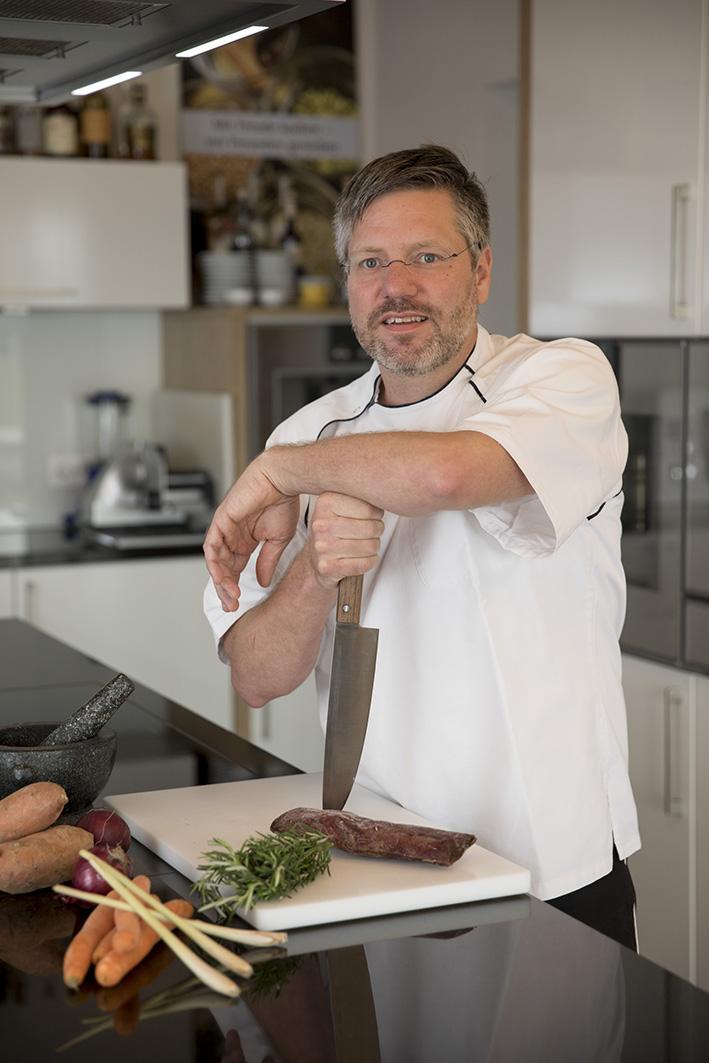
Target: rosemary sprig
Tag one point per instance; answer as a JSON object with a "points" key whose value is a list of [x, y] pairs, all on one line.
{"points": [[266, 867]]}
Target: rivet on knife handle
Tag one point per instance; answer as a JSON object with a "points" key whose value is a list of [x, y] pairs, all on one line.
{"points": [[349, 599]]}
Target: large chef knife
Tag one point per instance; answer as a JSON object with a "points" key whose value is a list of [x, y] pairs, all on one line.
{"points": [[354, 658]]}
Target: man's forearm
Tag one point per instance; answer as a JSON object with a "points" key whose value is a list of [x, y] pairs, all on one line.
{"points": [[408, 473], [273, 647]]}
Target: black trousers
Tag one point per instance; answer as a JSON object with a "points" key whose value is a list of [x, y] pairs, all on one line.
{"points": [[607, 905]]}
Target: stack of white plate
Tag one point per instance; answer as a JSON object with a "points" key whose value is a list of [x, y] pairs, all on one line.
{"points": [[274, 272], [224, 271]]}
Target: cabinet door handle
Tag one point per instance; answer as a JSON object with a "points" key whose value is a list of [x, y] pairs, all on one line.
{"points": [[679, 303], [673, 703], [29, 601]]}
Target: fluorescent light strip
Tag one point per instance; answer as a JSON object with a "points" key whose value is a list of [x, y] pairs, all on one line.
{"points": [[98, 85], [219, 41]]}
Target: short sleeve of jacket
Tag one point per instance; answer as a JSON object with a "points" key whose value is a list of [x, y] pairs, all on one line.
{"points": [[557, 413]]}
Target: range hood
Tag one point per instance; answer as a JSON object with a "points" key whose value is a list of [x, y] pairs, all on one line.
{"points": [[48, 48]]}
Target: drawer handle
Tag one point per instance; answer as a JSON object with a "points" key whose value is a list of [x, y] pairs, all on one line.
{"points": [[679, 304], [673, 802]]}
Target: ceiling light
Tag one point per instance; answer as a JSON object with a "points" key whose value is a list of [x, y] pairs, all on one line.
{"points": [[219, 41], [98, 85]]}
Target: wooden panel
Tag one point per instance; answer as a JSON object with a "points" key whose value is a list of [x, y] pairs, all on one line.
{"points": [[204, 349]]}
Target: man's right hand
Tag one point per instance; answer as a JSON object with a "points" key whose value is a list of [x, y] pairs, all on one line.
{"points": [[344, 538]]}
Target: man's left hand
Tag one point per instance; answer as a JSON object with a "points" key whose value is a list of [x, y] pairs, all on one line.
{"points": [[253, 511]]}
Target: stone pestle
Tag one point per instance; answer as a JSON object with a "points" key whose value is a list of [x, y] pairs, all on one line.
{"points": [[87, 721]]}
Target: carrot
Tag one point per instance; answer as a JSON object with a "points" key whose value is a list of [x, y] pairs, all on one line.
{"points": [[113, 967], [30, 809], [77, 958], [104, 946], [157, 961], [128, 923], [41, 859], [125, 1018]]}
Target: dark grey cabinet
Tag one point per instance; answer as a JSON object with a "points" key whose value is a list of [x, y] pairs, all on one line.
{"points": [[664, 389]]}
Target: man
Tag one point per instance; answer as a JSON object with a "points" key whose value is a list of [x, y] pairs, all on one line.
{"points": [[476, 481]]}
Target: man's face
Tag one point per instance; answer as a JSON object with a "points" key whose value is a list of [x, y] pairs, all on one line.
{"points": [[414, 320]]}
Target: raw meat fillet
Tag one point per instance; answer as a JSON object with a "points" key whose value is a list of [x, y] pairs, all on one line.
{"points": [[376, 837]]}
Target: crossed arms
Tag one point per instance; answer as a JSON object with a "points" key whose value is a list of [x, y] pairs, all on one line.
{"points": [[274, 646]]}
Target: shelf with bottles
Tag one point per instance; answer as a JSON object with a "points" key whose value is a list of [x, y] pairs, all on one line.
{"points": [[95, 128], [264, 241]]}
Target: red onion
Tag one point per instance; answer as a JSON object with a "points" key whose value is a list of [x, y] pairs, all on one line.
{"points": [[88, 879], [107, 827]]}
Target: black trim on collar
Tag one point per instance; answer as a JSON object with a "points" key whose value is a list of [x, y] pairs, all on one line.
{"points": [[472, 382], [603, 504], [344, 420]]}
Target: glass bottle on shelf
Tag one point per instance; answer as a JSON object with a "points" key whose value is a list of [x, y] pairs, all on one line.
{"points": [[7, 131], [243, 234], [243, 278], [95, 126], [60, 131], [289, 238], [28, 129], [137, 132], [219, 221]]}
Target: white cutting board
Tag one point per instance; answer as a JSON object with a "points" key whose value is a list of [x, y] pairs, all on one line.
{"points": [[178, 824]]}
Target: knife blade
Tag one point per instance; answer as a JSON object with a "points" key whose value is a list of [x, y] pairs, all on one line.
{"points": [[354, 657]]}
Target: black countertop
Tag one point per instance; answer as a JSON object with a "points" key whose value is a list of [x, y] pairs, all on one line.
{"points": [[503, 981], [51, 546]]}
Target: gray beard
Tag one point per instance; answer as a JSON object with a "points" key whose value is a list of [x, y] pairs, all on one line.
{"points": [[409, 357]]}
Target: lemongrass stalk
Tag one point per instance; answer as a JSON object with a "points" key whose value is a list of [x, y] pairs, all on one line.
{"points": [[211, 977], [225, 956], [257, 938], [229, 959]]}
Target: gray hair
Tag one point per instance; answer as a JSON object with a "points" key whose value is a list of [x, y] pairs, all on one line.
{"points": [[429, 166]]}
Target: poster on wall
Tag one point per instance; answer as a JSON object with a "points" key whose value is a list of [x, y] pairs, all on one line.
{"points": [[270, 136]]}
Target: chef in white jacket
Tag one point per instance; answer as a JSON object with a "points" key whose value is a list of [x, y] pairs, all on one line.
{"points": [[476, 481]]}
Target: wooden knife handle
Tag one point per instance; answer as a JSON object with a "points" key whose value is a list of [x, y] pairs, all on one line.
{"points": [[349, 599]]}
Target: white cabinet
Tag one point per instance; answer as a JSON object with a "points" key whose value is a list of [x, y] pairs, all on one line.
{"points": [[660, 711], [618, 105], [142, 617], [93, 233], [289, 727], [702, 837]]}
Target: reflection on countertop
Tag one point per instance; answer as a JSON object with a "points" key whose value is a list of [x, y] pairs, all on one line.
{"points": [[504, 981]]}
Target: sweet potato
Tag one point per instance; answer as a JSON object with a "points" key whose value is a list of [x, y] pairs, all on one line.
{"points": [[33, 931], [41, 859], [30, 809]]}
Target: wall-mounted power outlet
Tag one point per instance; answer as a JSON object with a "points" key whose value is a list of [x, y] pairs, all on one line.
{"points": [[66, 470]]}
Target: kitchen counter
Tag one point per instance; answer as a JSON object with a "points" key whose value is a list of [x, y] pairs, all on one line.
{"points": [[51, 546], [509, 980]]}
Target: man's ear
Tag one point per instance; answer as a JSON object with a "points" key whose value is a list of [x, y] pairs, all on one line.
{"points": [[483, 274]]}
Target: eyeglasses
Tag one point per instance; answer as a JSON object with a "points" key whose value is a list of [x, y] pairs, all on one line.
{"points": [[420, 263]]}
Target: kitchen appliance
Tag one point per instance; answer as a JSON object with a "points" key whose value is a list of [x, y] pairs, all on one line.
{"points": [[354, 658], [664, 390], [288, 368], [134, 502], [177, 825], [50, 47]]}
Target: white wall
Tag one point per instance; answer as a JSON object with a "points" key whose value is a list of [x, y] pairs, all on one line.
{"points": [[49, 362], [447, 73]]}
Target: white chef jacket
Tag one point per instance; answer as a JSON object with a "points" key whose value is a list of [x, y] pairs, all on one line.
{"points": [[497, 705]]}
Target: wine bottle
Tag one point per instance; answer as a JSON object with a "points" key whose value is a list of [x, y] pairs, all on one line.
{"points": [[60, 131], [95, 126], [138, 134]]}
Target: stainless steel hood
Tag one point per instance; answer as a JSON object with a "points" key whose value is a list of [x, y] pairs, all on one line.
{"points": [[50, 47]]}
